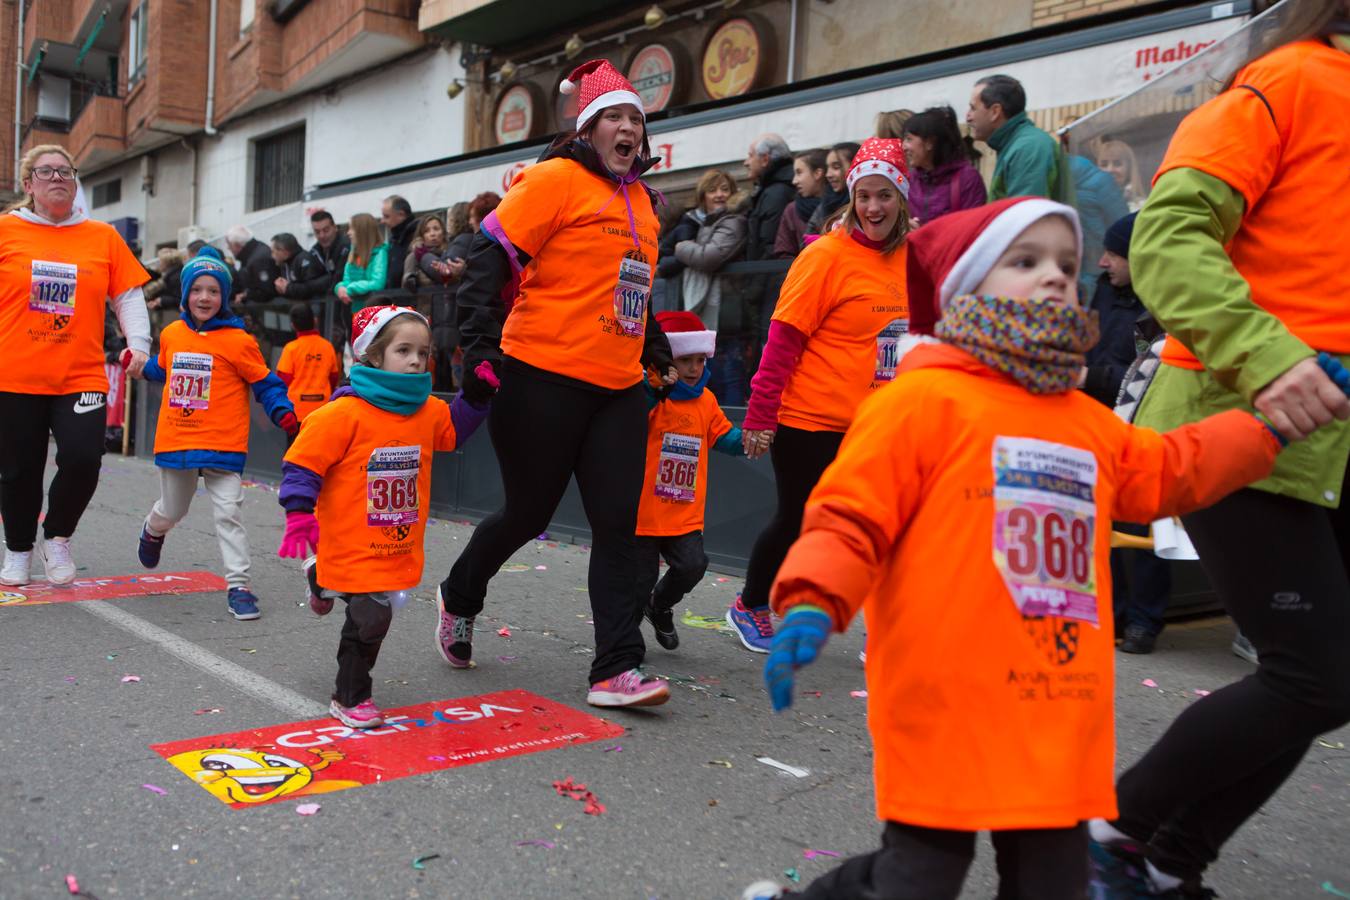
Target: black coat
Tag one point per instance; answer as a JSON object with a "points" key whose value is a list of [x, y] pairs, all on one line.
{"points": [[686, 229], [401, 238], [257, 271], [773, 192], [306, 276], [1124, 323], [334, 260]]}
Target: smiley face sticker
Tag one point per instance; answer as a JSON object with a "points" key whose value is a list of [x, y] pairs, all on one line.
{"points": [[236, 776]]}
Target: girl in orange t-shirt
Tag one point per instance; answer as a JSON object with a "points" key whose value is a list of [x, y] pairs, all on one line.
{"points": [[355, 486], [969, 511], [579, 231], [834, 338]]}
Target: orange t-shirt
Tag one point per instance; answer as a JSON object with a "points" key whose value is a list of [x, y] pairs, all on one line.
{"points": [[582, 306], [376, 470], [1293, 174], [851, 304], [54, 289], [311, 365], [207, 379], [973, 520], [675, 488]]}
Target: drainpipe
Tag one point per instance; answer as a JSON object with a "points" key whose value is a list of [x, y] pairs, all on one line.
{"points": [[211, 72], [792, 42], [18, 99], [191, 147]]}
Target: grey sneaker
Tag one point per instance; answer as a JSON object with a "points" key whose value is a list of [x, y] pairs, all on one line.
{"points": [[1243, 648]]}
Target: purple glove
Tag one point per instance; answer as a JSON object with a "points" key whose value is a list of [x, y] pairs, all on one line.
{"points": [[302, 532]]}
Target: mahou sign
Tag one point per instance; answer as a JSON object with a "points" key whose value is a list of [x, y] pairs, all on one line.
{"points": [[514, 120], [731, 59], [653, 74]]}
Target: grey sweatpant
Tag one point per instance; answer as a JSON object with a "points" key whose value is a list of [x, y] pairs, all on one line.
{"points": [[226, 490]]}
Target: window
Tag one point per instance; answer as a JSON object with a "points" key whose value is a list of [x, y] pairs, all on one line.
{"points": [[107, 193], [247, 10], [136, 43], [279, 169]]}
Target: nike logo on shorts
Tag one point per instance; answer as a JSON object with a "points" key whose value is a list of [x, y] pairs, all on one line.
{"points": [[89, 402]]}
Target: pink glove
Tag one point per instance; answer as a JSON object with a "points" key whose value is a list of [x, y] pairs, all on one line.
{"points": [[302, 532]]}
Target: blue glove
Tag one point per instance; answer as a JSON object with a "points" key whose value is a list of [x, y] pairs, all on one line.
{"points": [[797, 643], [1335, 371]]}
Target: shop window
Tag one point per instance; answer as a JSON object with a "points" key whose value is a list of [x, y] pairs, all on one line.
{"points": [[107, 193], [279, 169]]}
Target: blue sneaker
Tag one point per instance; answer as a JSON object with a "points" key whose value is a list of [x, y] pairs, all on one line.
{"points": [[149, 548], [243, 605], [753, 626], [1120, 872]]}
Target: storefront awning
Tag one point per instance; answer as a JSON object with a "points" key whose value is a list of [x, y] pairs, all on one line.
{"points": [[500, 23]]}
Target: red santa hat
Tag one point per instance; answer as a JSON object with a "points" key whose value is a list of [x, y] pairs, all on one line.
{"points": [[686, 333], [951, 255], [602, 86], [367, 324], [881, 156]]}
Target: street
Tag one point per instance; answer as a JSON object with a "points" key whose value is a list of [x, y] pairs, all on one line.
{"points": [[689, 811]]}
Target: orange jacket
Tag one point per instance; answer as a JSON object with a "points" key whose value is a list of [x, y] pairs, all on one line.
{"points": [[954, 492]]}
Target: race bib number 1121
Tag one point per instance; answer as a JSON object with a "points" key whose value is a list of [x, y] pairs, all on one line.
{"points": [[1044, 524]]}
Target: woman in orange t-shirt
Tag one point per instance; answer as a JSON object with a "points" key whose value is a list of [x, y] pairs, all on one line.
{"points": [[58, 270], [833, 340], [579, 232]]}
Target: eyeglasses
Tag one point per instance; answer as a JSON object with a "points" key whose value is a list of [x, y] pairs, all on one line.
{"points": [[49, 173]]}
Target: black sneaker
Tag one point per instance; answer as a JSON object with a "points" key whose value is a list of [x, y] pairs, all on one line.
{"points": [[663, 623], [1138, 639]]}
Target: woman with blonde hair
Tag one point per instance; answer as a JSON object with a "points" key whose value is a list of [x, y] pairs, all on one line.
{"points": [[891, 124], [1116, 158], [58, 271], [368, 265]]}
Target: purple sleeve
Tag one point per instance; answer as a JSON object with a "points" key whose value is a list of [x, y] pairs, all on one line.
{"points": [[299, 488], [466, 418], [972, 189], [781, 354]]}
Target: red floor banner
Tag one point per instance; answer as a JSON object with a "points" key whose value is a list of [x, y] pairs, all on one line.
{"points": [[299, 759], [111, 588]]}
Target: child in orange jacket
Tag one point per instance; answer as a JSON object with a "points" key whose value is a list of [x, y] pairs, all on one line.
{"points": [[969, 512], [355, 486], [308, 365], [681, 427]]}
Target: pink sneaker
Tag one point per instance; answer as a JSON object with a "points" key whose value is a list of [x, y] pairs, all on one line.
{"points": [[628, 689], [454, 636], [363, 715]]}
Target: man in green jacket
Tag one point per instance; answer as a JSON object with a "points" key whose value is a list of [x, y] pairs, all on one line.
{"points": [[1030, 162]]}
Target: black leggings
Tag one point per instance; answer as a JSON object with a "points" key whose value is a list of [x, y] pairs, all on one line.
{"points": [[544, 432], [931, 863], [799, 459], [77, 422], [363, 634], [1279, 566]]}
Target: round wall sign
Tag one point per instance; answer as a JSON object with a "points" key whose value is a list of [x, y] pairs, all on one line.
{"points": [[731, 59], [515, 117], [654, 74]]}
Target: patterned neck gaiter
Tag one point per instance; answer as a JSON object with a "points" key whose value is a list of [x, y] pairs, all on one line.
{"points": [[1039, 343]]}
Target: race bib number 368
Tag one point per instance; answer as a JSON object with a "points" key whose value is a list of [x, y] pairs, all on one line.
{"points": [[1044, 524], [391, 486]]}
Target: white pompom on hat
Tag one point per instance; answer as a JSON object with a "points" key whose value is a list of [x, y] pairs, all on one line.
{"points": [[601, 86], [368, 322]]}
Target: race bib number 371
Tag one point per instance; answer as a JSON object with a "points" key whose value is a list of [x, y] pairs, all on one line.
{"points": [[52, 287], [391, 485], [190, 381], [1044, 523]]}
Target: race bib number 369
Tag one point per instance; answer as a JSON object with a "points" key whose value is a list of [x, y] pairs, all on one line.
{"points": [[52, 287], [190, 381], [1044, 523], [391, 486]]}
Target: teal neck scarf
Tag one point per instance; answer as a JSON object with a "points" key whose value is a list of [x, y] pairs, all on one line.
{"points": [[398, 393]]}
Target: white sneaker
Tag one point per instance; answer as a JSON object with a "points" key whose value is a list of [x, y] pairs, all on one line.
{"points": [[18, 567], [56, 561]]}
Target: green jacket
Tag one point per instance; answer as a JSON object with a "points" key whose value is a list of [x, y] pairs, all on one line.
{"points": [[1030, 163], [1181, 270], [363, 280]]}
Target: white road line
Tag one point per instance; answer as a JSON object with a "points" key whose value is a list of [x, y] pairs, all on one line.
{"points": [[264, 689]]}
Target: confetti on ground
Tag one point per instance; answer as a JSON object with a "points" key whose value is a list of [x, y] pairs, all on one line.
{"points": [[783, 767], [541, 568], [719, 762], [1149, 683], [307, 809], [418, 861], [112, 656], [812, 854], [207, 711], [547, 845], [155, 789], [709, 623], [792, 875], [247, 650], [504, 632], [74, 886], [514, 567], [1200, 692], [1338, 745], [617, 748], [568, 788], [130, 679], [857, 693], [1331, 889], [507, 659], [70, 679], [813, 693]]}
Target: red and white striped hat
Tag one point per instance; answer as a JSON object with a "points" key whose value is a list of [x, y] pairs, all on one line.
{"points": [[602, 86], [881, 156], [368, 322]]}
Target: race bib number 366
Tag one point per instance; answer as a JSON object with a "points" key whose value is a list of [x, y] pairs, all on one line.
{"points": [[52, 287], [677, 469], [1044, 522], [190, 381], [632, 293], [391, 485]]}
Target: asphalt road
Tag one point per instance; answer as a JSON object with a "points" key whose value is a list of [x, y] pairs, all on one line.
{"points": [[690, 812]]}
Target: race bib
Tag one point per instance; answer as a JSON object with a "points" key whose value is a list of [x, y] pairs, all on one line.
{"points": [[391, 486], [677, 469], [52, 288], [888, 348], [190, 381], [632, 293], [1044, 523]]}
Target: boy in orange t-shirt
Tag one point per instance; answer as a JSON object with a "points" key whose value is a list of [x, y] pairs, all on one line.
{"points": [[355, 486], [308, 364], [969, 512], [208, 364], [681, 426]]}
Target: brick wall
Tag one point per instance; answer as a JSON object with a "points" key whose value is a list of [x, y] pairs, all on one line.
{"points": [[9, 35], [1048, 12]]}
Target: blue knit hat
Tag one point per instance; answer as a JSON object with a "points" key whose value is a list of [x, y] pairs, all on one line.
{"points": [[200, 265], [212, 252], [1117, 237]]}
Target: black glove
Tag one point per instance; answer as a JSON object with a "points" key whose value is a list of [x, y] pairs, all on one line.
{"points": [[480, 382]]}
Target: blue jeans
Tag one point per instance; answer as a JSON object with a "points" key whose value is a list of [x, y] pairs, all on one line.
{"points": [[728, 376]]}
